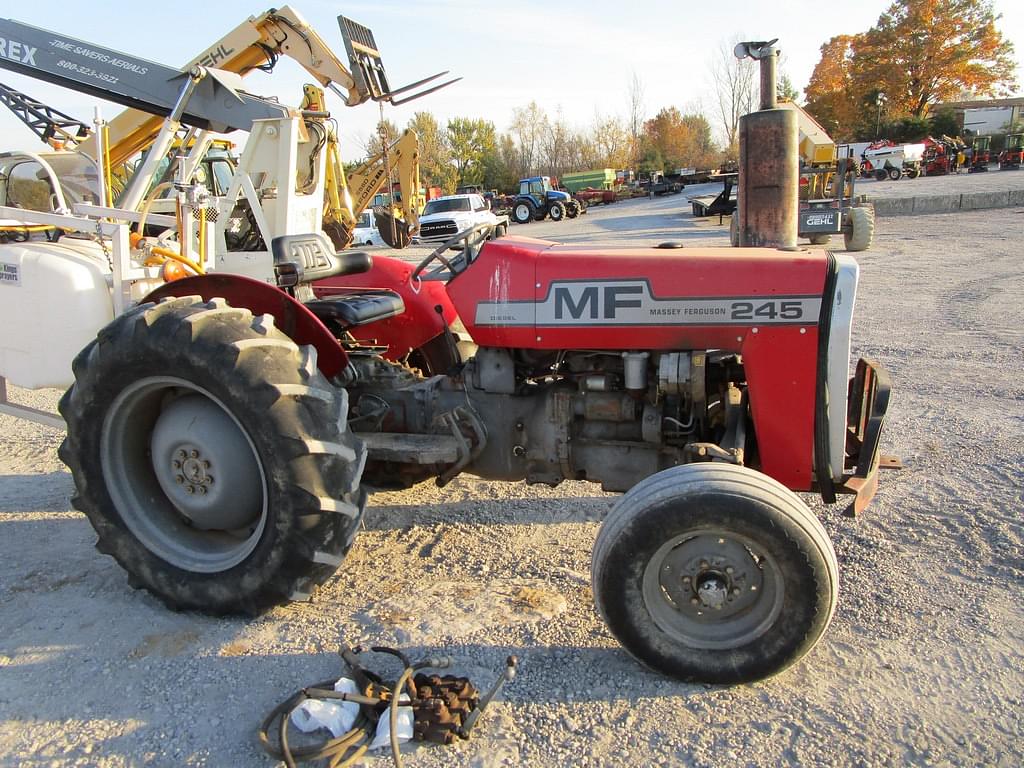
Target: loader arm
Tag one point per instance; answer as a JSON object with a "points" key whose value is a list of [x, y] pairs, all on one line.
{"points": [[256, 43]]}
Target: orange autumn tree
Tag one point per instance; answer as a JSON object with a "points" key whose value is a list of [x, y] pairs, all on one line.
{"points": [[918, 53], [831, 95], [924, 51]]}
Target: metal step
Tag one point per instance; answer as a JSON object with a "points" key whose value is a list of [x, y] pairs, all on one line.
{"points": [[410, 449]]}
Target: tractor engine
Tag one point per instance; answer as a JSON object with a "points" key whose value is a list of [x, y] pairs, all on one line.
{"points": [[547, 416]]}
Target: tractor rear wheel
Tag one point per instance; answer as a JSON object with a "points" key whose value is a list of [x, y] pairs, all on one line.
{"points": [[212, 457], [860, 229], [714, 573], [523, 212]]}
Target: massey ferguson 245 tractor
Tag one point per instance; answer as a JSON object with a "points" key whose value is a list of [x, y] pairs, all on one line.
{"points": [[223, 429]]}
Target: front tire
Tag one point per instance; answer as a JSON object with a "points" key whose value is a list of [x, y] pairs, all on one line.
{"points": [[212, 457], [819, 239], [556, 211], [860, 229], [714, 573]]}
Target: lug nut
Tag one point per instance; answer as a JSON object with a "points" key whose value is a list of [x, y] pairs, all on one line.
{"points": [[190, 489], [694, 601], [209, 479], [703, 563], [176, 464], [182, 454], [729, 569], [194, 454], [686, 579], [202, 490], [179, 479], [206, 464], [736, 592]]}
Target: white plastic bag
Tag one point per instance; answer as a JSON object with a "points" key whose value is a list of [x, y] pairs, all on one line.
{"points": [[335, 715], [382, 737]]}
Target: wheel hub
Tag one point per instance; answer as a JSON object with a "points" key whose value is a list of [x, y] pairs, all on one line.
{"points": [[713, 592], [710, 590], [205, 465]]}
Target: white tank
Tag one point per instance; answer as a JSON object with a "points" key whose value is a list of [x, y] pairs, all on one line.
{"points": [[54, 297]]}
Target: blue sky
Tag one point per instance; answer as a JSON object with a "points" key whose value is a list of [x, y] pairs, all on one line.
{"points": [[572, 57]]}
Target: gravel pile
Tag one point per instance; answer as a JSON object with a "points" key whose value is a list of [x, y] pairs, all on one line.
{"points": [[922, 665]]}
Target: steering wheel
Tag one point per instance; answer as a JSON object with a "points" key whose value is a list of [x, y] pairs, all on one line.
{"points": [[468, 242]]}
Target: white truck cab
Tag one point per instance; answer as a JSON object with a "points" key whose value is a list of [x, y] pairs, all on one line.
{"points": [[444, 217]]}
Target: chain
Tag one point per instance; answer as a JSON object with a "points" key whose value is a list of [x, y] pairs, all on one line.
{"points": [[103, 245]]}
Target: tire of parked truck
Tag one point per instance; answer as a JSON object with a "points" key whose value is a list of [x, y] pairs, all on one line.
{"points": [[714, 573], [524, 212], [212, 457], [860, 229]]}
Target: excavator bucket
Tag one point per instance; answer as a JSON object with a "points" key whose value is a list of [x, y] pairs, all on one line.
{"points": [[393, 230], [339, 232]]}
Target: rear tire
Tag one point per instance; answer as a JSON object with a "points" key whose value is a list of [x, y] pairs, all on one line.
{"points": [[202, 397], [714, 573], [819, 239], [860, 230], [895, 173], [524, 212], [881, 175]]}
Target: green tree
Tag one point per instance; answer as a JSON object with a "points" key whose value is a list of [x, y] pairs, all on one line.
{"points": [[435, 158], [470, 140]]}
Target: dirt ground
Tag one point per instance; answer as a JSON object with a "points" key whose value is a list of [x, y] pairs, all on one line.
{"points": [[922, 664]]}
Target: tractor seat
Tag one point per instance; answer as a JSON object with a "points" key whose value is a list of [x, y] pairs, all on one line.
{"points": [[353, 309]]}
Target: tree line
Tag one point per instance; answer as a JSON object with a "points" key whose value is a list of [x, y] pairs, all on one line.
{"points": [[468, 150]]}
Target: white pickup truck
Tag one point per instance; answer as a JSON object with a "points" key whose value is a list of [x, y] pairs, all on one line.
{"points": [[445, 217]]}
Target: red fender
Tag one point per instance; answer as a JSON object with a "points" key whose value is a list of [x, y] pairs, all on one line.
{"points": [[428, 309], [290, 316]]}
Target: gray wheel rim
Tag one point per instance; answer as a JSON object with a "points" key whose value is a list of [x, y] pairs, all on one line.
{"points": [[163, 436], [522, 212], [712, 589]]}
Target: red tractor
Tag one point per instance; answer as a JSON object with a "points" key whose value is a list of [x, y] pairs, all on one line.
{"points": [[223, 432]]}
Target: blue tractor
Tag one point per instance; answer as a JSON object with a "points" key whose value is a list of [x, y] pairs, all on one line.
{"points": [[537, 199]]}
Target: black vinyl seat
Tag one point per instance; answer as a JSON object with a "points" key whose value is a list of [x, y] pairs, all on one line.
{"points": [[354, 309]]}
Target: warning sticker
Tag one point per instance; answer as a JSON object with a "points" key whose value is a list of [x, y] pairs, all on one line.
{"points": [[9, 274]]}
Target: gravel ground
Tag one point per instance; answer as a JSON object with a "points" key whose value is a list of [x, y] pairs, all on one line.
{"points": [[922, 665]]}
